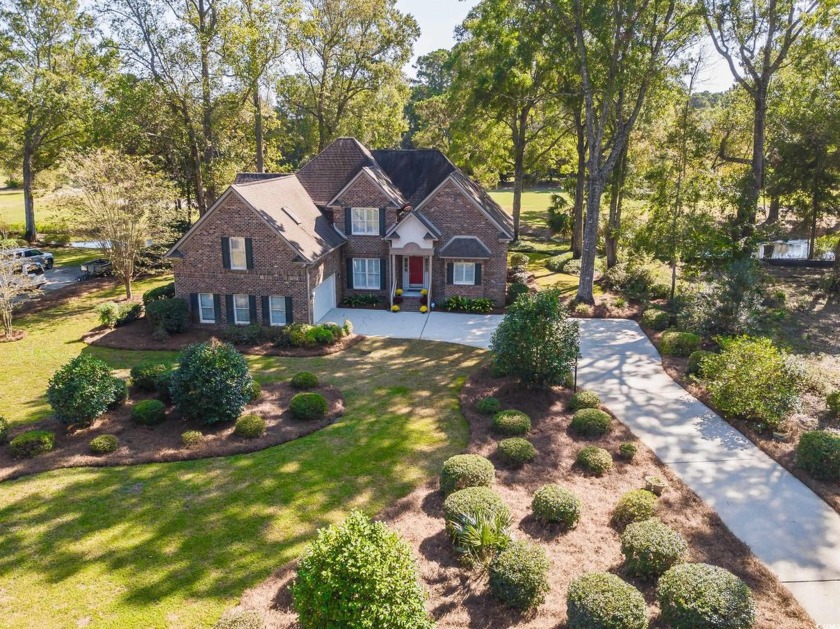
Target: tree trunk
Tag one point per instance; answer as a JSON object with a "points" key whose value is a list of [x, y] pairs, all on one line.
{"points": [[206, 98], [614, 223], [835, 271], [749, 207], [815, 216], [595, 189], [518, 176], [127, 284], [258, 125], [580, 188], [773, 213], [28, 200]]}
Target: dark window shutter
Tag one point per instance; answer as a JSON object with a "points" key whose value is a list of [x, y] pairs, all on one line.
{"points": [[382, 278], [450, 273], [196, 316], [289, 312], [349, 272], [225, 252], [348, 221], [266, 310], [382, 221], [249, 253], [229, 307], [217, 308], [252, 309], [477, 274]]}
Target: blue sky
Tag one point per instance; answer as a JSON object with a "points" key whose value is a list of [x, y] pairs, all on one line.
{"points": [[438, 19]]}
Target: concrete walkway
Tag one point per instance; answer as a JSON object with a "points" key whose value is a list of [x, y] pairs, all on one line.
{"points": [[784, 523]]}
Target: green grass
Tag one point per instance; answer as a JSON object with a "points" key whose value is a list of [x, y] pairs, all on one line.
{"points": [[11, 209], [535, 202], [73, 256]]}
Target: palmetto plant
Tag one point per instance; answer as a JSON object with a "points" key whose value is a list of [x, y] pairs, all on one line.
{"points": [[479, 536]]}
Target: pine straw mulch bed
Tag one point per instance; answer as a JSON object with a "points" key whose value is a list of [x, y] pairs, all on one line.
{"points": [[783, 452], [460, 598], [162, 443]]}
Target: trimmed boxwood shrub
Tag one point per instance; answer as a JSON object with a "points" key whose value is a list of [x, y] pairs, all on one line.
{"points": [[145, 374], [81, 390], [818, 453], [167, 291], [556, 505], [240, 619], [212, 383], [519, 575], [32, 443], [600, 600], [473, 501], [700, 596], [651, 547], [466, 470], [103, 444], [4, 430], [307, 406], [191, 438], [170, 315], [634, 506], [591, 422], [249, 427], [832, 401], [584, 399], [304, 380], [163, 385], [517, 451], [655, 319], [695, 362], [255, 392], [120, 389], [359, 574], [679, 343], [627, 451], [149, 412], [511, 422], [594, 460], [488, 406]]}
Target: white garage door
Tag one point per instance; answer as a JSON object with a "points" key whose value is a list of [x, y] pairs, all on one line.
{"points": [[324, 297]]}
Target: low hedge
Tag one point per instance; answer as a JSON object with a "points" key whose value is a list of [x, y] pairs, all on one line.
{"points": [[512, 422], [466, 470], [591, 422], [249, 427], [308, 406], [700, 596], [488, 405], [168, 315], [679, 343], [600, 600], [32, 443], [149, 412], [145, 374], [634, 506], [471, 501], [594, 460], [584, 399], [167, 291], [651, 547], [519, 576], [695, 362], [304, 380], [655, 319], [818, 453], [555, 505], [103, 444], [517, 451]]}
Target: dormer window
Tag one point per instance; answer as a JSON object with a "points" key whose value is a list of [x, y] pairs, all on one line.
{"points": [[364, 221]]}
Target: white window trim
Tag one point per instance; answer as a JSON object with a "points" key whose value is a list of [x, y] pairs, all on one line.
{"points": [[366, 221], [271, 310], [233, 265], [367, 274], [201, 308], [236, 318], [463, 281]]}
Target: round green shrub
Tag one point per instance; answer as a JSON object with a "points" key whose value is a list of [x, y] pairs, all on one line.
{"points": [[212, 383], [191, 438], [240, 619], [249, 427], [466, 470], [488, 406], [517, 451], [695, 362], [584, 399], [832, 402], [594, 460], [359, 574], [4, 430], [700, 596], [556, 505], [167, 291], [511, 422], [655, 319], [634, 506], [103, 444], [519, 259], [519, 576], [515, 289], [675, 343], [471, 501], [307, 406], [81, 390], [627, 450], [557, 264], [163, 386], [304, 380], [120, 389], [600, 600], [169, 315], [149, 412], [255, 392], [591, 422], [818, 453], [145, 374], [651, 547], [32, 443]]}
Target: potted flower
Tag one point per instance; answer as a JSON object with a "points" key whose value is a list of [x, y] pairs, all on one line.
{"points": [[424, 292], [424, 309], [395, 308], [655, 484], [399, 292]]}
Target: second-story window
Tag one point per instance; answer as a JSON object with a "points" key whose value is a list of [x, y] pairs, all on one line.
{"points": [[238, 255], [364, 221]]}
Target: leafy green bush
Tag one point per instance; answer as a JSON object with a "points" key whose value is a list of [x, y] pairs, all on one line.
{"points": [[112, 314], [556, 264], [519, 260], [120, 392], [695, 362], [655, 319], [488, 405], [357, 575], [249, 427], [584, 399], [519, 576], [103, 444], [818, 453], [240, 619], [594, 460], [627, 450], [32, 443], [149, 412], [170, 315], [517, 451], [459, 303], [478, 537], [163, 385], [255, 392], [591, 422], [639, 277], [4, 430], [634, 506], [679, 343], [212, 383], [556, 505], [320, 335], [362, 300], [472, 501], [466, 470], [650, 547], [167, 291], [511, 422], [247, 335], [700, 596], [515, 289], [600, 600], [81, 390], [536, 341], [145, 374], [752, 379], [307, 406], [832, 401], [191, 438], [304, 380]]}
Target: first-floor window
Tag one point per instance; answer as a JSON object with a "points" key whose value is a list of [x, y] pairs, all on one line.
{"points": [[207, 307], [366, 273], [463, 273], [277, 310], [241, 309]]}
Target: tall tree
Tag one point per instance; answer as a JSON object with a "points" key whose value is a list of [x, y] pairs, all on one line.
{"points": [[49, 65]]}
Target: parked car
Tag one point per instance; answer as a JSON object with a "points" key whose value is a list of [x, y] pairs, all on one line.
{"points": [[44, 257], [25, 259]]}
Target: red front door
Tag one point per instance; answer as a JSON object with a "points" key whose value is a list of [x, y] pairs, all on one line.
{"points": [[415, 270]]}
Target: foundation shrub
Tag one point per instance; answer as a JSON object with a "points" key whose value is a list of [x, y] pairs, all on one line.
{"points": [[308, 406], [488, 406], [655, 319], [679, 343], [32, 443], [695, 362], [144, 375], [191, 438], [81, 390], [103, 444], [170, 315], [304, 380], [584, 399], [149, 412], [249, 427], [818, 453]]}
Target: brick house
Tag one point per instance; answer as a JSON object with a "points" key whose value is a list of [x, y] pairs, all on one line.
{"points": [[279, 248]]}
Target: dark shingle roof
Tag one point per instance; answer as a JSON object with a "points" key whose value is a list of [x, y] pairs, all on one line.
{"points": [[465, 247], [328, 172], [248, 177], [415, 172]]}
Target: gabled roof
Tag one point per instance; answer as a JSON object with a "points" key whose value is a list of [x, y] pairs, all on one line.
{"points": [[465, 247], [415, 172], [247, 177], [326, 174], [378, 176], [434, 232]]}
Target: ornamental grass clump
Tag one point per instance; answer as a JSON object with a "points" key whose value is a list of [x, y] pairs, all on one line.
{"points": [[511, 422], [516, 451], [600, 600], [594, 460], [553, 504], [584, 399], [651, 547], [591, 422], [472, 501], [634, 506], [519, 576], [466, 470], [479, 536]]}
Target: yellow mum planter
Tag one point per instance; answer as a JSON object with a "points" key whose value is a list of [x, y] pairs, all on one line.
{"points": [[424, 292], [395, 308], [424, 309], [399, 291]]}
